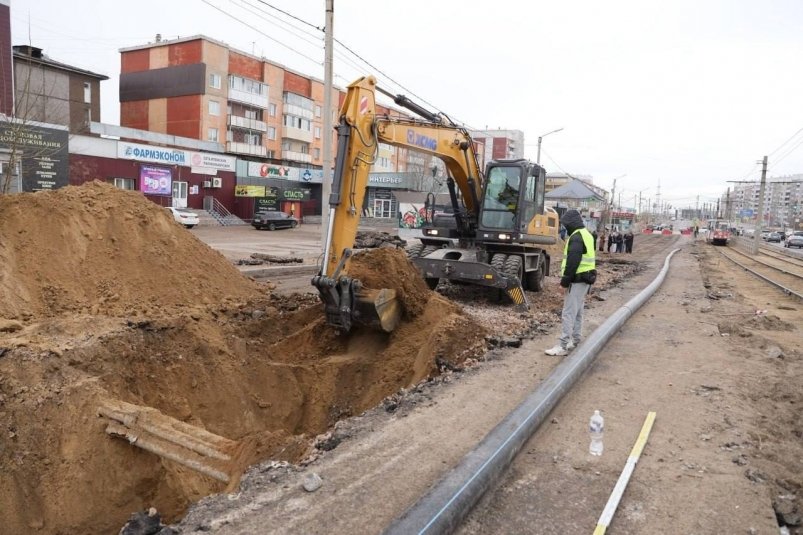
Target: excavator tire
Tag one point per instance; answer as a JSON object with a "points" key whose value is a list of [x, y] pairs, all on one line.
{"points": [[498, 261], [514, 266], [414, 251], [429, 249], [432, 282], [535, 279]]}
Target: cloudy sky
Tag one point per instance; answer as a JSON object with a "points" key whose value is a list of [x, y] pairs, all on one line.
{"points": [[688, 93]]}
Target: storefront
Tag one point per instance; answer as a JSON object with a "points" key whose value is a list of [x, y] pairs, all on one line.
{"points": [[269, 187], [168, 177]]}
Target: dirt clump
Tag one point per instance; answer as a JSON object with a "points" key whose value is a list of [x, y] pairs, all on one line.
{"points": [[122, 304], [96, 249], [390, 268]]}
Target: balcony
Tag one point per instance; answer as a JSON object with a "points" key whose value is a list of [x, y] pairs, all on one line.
{"points": [[296, 156], [298, 134], [246, 123], [252, 99], [245, 148], [298, 111]]}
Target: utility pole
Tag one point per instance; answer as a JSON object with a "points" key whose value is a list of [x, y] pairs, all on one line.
{"points": [[760, 219], [613, 190], [328, 129]]}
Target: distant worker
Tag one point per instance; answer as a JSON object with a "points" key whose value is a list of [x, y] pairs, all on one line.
{"points": [[620, 242], [696, 231], [629, 241], [602, 238], [578, 272]]}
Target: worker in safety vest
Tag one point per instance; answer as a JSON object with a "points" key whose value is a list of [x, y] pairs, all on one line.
{"points": [[578, 271]]}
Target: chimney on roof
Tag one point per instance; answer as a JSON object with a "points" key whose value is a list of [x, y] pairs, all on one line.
{"points": [[28, 50], [158, 38]]}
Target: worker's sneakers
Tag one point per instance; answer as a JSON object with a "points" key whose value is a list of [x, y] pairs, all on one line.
{"points": [[557, 351]]}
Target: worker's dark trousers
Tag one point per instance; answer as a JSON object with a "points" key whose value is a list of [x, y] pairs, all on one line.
{"points": [[572, 316]]}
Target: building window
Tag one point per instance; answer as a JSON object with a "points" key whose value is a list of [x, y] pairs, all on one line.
{"points": [[272, 110], [271, 132], [316, 153], [87, 92], [297, 122], [212, 135], [214, 107], [317, 132], [214, 81], [317, 111], [270, 154], [298, 100], [88, 116], [123, 183]]}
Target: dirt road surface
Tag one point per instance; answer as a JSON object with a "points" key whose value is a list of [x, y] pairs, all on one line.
{"points": [[725, 449]]}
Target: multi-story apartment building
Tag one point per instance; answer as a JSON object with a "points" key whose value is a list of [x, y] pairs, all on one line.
{"points": [[783, 202], [500, 144]]}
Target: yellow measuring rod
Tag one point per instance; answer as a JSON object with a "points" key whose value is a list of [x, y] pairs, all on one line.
{"points": [[630, 465]]}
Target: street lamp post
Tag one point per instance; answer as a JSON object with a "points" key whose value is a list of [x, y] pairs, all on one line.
{"points": [[542, 136]]}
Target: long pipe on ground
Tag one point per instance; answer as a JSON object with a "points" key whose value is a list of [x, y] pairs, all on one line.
{"points": [[445, 506]]}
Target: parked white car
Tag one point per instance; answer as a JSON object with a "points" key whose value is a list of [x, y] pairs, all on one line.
{"points": [[188, 219]]}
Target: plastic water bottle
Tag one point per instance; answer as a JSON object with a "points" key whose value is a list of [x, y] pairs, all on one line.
{"points": [[597, 427]]}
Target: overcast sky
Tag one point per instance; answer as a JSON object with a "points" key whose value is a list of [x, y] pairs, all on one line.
{"points": [[691, 93]]}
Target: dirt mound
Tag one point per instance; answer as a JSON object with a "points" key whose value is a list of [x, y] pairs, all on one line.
{"points": [[120, 305], [390, 268], [101, 250]]}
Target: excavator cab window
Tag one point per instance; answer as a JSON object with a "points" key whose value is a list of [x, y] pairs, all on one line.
{"points": [[501, 197]]}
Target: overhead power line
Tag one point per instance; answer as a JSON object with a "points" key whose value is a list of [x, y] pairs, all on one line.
{"points": [[290, 15]]}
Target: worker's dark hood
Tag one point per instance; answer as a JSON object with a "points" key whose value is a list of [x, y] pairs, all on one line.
{"points": [[572, 220]]}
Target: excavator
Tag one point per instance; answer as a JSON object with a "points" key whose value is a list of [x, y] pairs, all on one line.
{"points": [[496, 235]]}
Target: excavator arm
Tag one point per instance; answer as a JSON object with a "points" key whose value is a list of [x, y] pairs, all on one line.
{"points": [[359, 133]]}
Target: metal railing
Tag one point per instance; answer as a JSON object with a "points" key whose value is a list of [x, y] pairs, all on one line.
{"points": [[220, 213]]}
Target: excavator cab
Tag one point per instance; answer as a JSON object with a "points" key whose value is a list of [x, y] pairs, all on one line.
{"points": [[513, 197]]}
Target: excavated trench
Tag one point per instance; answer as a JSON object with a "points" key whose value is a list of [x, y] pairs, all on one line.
{"points": [[161, 386]]}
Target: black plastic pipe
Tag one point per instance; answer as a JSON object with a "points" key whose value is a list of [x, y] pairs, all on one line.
{"points": [[444, 507]]}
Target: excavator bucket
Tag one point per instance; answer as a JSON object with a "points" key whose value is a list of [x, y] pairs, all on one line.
{"points": [[347, 303], [378, 309]]}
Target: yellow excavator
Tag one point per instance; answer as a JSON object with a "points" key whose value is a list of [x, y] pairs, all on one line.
{"points": [[495, 237]]}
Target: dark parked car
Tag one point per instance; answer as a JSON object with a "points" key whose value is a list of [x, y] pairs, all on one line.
{"points": [[774, 237], [273, 220]]}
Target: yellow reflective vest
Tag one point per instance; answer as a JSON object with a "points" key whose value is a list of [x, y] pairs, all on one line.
{"points": [[589, 260]]}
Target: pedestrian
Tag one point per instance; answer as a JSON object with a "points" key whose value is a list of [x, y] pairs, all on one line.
{"points": [[611, 239], [696, 231], [602, 239], [620, 242], [629, 241], [578, 272]]}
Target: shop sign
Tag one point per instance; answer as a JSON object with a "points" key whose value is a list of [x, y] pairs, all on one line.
{"points": [[170, 156], [298, 174], [393, 180], [244, 190], [295, 194], [45, 162], [268, 203]]}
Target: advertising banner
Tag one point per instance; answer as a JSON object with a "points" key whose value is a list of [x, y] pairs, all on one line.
{"points": [[155, 180], [45, 162], [170, 156], [243, 190], [269, 170], [268, 203]]}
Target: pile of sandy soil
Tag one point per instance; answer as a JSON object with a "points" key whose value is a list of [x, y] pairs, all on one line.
{"points": [[101, 250], [112, 300]]}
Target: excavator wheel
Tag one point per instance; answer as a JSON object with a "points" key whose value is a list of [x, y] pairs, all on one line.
{"points": [[514, 266], [535, 279], [429, 249], [498, 261], [414, 251]]}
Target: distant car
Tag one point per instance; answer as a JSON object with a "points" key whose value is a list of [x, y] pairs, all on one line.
{"points": [[765, 234], [774, 237], [273, 221], [188, 219], [795, 240]]}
